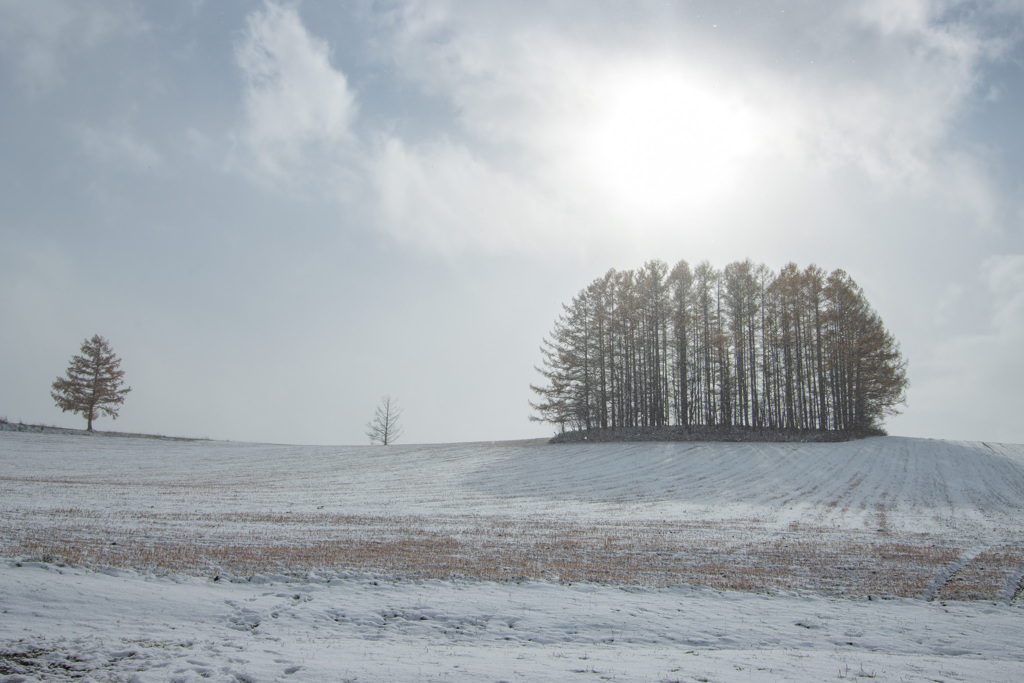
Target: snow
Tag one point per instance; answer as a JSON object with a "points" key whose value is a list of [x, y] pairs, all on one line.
{"points": [[166, 604], [129, 626]]}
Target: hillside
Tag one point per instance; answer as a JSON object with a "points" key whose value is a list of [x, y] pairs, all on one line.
{"points": [[900, 516], [266, 562]]}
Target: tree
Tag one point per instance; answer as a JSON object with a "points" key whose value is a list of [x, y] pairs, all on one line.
{"points": [[679, 282], [383, 428], [92, 384], [744, 347]]}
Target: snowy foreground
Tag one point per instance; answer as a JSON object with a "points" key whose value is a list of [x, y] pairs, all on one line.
{"points": [[137, 559], [122, 626]]}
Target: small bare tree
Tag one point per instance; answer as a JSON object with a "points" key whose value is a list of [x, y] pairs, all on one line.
{"points": [[92, 384], [383, 428]]}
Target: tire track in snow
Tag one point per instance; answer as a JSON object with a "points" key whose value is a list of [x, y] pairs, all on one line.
{"points": [[1013, 590], [943, 577]]}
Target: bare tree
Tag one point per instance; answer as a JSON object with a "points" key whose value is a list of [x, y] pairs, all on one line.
{"points": [[384, 428], [92, 384]]}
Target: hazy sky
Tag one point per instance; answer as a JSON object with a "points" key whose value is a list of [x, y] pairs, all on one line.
{"points": [[278, 212]]}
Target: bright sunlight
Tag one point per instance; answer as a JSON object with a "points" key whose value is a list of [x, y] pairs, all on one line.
{"points": [[660, 139]]}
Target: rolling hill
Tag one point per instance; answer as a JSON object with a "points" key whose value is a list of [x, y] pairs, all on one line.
{"points": [[141, 559]]}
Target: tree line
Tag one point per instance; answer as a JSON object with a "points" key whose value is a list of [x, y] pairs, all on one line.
{"points": [[739, 347]]}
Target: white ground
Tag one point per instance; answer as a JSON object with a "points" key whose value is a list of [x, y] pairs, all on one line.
{"points": [[83, 494]]}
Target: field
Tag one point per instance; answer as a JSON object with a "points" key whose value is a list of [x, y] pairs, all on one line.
{"points": [[904, 556]]}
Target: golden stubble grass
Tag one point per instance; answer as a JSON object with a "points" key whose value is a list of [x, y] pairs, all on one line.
{"points": [[732, 555], [985, 577]]}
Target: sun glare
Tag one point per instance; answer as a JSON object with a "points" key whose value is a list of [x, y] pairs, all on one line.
{"points": [[659, 141]]}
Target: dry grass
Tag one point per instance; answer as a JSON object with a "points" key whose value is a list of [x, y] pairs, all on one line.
{"points": [[733, 556], [747, 554], [984, 577]]}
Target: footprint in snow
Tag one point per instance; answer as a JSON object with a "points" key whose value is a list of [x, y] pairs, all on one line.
{"points": [[244, 620]]}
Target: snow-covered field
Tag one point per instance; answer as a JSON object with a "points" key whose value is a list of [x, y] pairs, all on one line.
{"points": [[151, 560]]}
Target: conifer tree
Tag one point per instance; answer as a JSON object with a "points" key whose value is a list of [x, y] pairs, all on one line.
{"points": [[744, 347], [92, 384]]}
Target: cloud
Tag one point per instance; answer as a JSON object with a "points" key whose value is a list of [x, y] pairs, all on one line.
{"points": [[663, 119], [298, 108], [443, 198], [917, 71], [880, 91], [601, 128], [42, 37]]}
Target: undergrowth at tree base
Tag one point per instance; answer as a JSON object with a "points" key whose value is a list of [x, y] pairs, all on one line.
{"points": [[715, 433]]}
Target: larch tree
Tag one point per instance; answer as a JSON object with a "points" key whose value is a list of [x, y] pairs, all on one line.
{"points": [[384, 428], [679, 281], [741, 347], [93, 382]]}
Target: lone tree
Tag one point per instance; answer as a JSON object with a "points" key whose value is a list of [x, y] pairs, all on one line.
{"points": [[383, 428], [93, 382]]}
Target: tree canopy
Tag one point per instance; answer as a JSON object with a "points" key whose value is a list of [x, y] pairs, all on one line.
{"points": [[92, 384], [739, 347]]}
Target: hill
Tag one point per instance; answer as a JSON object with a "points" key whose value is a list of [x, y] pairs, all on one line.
{"points": [[887, 515], [372, 563]]}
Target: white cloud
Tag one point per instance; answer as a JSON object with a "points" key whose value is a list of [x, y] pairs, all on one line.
{"points": [[915, 75], [566, 128], [298, 107], [666, 123], [442, 198]]}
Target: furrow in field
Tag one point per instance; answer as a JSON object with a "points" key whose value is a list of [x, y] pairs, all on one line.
{"points": [[882, 516]]}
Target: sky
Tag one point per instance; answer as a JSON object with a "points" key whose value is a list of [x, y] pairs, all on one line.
{"points": [[278, 212]]}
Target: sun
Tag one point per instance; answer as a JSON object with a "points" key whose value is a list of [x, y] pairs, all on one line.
{"points": [[660, 140]]}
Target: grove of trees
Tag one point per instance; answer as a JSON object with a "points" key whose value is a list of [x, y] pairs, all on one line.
{"points": [[739, 347], [93, 382]]}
